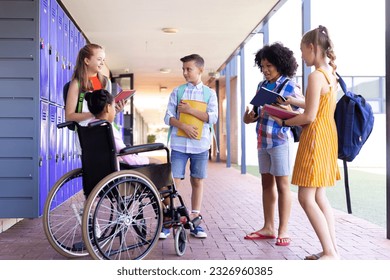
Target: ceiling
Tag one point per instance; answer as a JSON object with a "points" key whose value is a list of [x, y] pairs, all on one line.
{"points": [[131, 33]]}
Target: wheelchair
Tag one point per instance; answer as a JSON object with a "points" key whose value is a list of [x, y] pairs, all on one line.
{"points": [[110, 210]]}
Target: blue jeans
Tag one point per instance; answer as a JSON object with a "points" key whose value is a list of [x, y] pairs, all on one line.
{"points": [[198, 164]]}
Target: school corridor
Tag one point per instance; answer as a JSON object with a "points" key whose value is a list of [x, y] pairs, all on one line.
{"points": [[232, 208]]}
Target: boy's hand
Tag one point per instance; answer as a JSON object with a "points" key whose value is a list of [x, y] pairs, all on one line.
{"points": [[191, 131], [184, 107]]}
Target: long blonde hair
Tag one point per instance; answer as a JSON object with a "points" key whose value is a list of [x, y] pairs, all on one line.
{"points": [[80, 71], [320, 37]]}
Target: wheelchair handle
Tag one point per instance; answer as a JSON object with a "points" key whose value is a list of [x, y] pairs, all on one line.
{"points": [[66, 124]]}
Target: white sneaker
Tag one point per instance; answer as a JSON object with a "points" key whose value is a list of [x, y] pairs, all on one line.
{"points": [[165, 232]]}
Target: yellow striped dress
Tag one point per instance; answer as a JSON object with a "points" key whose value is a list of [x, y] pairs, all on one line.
{"points": [[316, 160]]}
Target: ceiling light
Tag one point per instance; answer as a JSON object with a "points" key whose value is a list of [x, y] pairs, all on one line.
{"points": [[162, 89], [169, 30], [165, 70]]}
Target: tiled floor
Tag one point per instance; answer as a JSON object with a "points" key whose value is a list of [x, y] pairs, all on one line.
{"points": [[232, 207]]}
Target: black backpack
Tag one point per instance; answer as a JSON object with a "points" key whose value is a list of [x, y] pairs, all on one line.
{"points": [[354, 120]]}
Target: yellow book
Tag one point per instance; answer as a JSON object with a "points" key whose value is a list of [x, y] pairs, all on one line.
{"points": [[190, 119]]}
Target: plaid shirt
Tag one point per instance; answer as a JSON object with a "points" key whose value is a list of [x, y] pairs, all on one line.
{"points": [[269, 133]]}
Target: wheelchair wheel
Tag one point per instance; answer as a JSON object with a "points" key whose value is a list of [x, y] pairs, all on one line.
{"points": [[180, 236], [123, 217], [62, 215]]}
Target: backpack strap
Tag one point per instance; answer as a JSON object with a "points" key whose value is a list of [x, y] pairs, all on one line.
{"points": [[206, 98], [281, 86]]}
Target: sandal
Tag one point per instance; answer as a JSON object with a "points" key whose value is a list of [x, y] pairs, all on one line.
{"points": [[283, 241]]}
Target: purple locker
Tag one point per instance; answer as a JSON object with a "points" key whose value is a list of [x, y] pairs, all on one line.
{"points": [[44, 48], [43, 158], [65, 150], [60, 55], [53, 54], [82, 40], [76, 47], [65, 49], [53, 156], [71, 149], [72, 55], [59, 142]]}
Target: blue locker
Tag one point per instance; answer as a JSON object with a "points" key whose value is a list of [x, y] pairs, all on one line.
{"points": [[76, 47], [59, 140], [53, 156], [71, 153], [60, 54], [65, 150], [72, 55], [66, 74], [43, 157], [82, 40], [44, 48], [53, 57]]}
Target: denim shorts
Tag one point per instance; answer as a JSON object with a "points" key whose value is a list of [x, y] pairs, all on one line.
{"points": [[277, 161], [198, 164]]}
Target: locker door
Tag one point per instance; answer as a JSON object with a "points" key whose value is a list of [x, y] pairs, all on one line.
{"points": [[65, 49], [72, 56], [59, 144], [82, 40], [43, 157], [60, 54], [44, 48], [52, 144], [53, 51], [71, 150], [76, 47], [65, 150]]}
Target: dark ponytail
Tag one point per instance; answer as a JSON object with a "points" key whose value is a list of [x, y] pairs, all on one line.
{"points": [[97, 100]]}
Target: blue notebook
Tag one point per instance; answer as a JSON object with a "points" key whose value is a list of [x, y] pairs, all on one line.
{"points": [[265, 96]]}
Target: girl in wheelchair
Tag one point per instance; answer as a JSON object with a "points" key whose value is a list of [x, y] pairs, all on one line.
{"points": [[101, 104]]}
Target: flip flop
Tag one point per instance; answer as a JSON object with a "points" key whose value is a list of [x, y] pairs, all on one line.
{"points": [[284, 241], [258, 236]]}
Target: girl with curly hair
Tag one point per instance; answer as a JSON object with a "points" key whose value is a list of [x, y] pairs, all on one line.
{"points": [[275, 142]]}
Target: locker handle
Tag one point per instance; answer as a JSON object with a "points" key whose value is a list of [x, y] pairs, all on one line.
{"points": [[42, 44], [40, 163], [57, 157]]}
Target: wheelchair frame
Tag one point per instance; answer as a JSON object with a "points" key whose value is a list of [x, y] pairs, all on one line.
{"points": [[124, 209]]}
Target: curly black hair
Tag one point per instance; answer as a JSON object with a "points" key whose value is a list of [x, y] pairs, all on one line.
{"points": [[279, 56]]}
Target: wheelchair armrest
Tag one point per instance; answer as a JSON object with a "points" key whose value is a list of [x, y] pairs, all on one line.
{"points": [[141, 148], [66, 124]]}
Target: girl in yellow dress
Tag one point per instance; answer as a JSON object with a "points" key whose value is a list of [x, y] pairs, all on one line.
{"points": [[316, 162]]}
